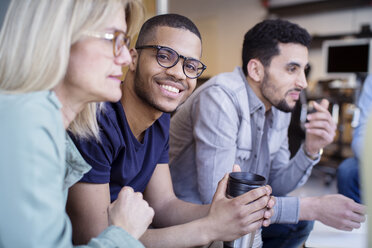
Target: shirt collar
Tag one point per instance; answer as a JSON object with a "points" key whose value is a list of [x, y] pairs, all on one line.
{"points": [[52, 97], [255, 104]]}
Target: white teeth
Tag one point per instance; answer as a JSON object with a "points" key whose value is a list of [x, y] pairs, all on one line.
{"points": [[170, 88]]}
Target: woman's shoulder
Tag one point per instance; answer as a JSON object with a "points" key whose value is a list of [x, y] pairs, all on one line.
{"points": [[40, 107], [28, 101]]}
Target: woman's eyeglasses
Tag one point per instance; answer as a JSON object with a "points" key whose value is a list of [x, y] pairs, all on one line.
{"points": [[119, 39]]}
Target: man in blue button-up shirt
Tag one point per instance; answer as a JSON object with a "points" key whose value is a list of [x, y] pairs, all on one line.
{"points": [[242, 117]]}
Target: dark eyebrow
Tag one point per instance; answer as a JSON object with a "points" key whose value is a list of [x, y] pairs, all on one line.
{"points": [[298, 65], [179, 53], [293, 64]]}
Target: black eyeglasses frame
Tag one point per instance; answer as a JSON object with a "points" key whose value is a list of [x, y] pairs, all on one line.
{"points": [[158, 47]]}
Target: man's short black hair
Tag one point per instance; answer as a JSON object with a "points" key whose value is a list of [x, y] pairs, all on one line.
{"points": [[168, 20], [261, 41]]}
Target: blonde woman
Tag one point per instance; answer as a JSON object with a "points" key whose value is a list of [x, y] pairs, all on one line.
{"points": [[56, 59]]}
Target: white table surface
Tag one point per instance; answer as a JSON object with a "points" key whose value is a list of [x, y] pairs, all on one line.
{"points": [[324, 236]]}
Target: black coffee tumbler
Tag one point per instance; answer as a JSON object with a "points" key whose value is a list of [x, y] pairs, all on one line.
{"points": [[238, 184]]}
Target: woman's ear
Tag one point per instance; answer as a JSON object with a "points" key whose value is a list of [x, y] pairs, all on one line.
{"points": [[255, 70], [134, 54]]}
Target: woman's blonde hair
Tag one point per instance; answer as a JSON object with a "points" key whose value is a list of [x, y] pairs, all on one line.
{"points": [[35, 42]]}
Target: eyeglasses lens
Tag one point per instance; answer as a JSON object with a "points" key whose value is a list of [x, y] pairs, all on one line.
{"points": [[192, 67], [121, 40], [167, 57]]}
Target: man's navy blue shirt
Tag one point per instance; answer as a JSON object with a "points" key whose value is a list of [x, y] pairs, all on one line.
{"points": [[120, 159]]}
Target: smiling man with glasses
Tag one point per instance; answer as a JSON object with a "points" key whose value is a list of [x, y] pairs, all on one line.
{"points": [[133, 149]]}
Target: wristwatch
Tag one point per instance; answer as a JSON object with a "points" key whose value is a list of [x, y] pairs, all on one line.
{"points": [[313, 156]]}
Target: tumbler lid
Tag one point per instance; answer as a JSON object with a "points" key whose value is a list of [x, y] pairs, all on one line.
{"points": [[247, 178]]}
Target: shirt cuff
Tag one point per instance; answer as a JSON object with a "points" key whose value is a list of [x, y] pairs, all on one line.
{"points": [[117, 237], [286, 210]]}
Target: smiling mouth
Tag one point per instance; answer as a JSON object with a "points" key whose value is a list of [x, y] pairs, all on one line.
{"points": [[170, 88]]}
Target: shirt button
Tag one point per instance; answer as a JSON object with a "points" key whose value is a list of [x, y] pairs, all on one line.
{"points": [[255, 156]]}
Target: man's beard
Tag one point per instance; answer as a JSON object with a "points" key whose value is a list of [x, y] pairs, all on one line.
{"points": [[283, 106], [268, 89]]}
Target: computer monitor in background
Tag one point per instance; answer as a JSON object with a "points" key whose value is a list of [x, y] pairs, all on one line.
{"points": [[345, 58], [348, 62]]}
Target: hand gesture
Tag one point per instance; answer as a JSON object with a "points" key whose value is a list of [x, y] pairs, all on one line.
{"points": [[321, 129], [340, 212], [130, 212]]}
